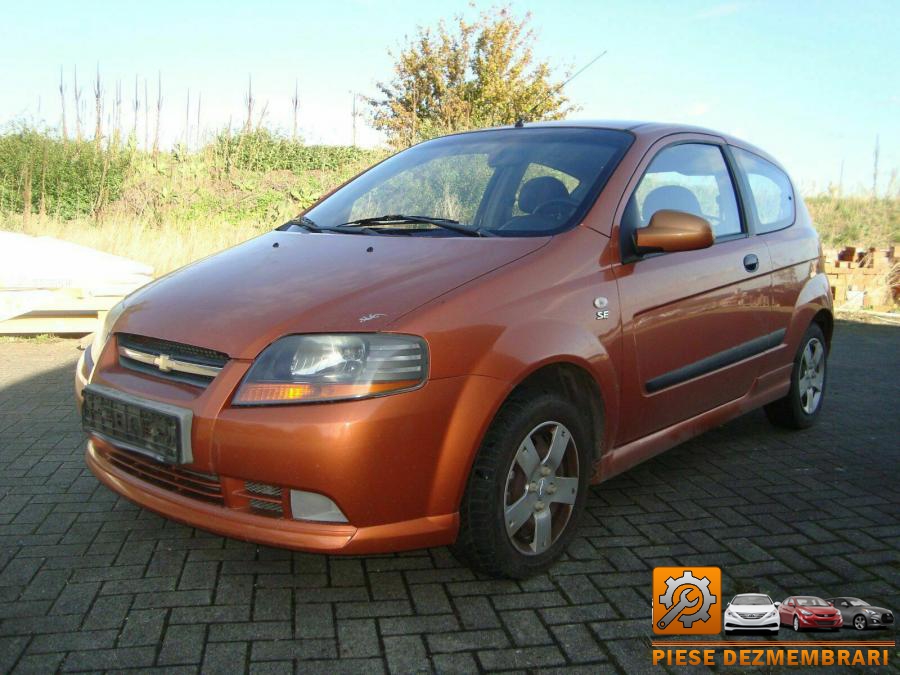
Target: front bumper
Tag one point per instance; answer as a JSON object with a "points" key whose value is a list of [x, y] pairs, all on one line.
{"points": [[824, 623], [284, 533], [395, 466], [879, 620], [734, 622]]}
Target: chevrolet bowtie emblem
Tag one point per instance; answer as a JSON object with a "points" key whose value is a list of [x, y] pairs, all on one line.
{"points": [[163, 362]]}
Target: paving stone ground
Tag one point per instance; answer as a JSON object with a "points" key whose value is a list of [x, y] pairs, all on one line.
{"points": [[89, 582]]}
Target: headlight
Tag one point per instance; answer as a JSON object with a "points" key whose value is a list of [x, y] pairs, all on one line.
{"points": [[770, 614], [317, 368], [805, 612], [102, 334], [871, 611]]}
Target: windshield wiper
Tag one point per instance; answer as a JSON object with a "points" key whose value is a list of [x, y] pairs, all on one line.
{"points": [[307, 224], [310, 226], [445, 223]]}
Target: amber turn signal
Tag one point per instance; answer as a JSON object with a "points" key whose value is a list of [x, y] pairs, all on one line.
{"points": [[256, 393]]}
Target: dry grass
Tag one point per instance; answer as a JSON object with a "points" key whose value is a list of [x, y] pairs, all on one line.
{"points": [[178, 210], [845, 221], [165, 248]]}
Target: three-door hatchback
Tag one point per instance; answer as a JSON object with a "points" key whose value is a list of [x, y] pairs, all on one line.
{"points": [[451, 347]]}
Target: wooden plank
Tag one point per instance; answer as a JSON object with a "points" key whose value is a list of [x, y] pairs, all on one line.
{"points": [[36, 325]]}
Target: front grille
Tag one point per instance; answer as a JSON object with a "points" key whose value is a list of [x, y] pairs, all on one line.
{"points": [[826, 622], [749, 616], [169, 360], [203, 486], [887, 617]]}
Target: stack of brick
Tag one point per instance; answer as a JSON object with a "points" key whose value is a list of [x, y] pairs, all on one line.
{"points": [[863, 277]]}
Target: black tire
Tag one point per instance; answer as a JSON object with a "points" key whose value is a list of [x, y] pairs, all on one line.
{"points": [[865, 622], [483, 542], [788, 412]]}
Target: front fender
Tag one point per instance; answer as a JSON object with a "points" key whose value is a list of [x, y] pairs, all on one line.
{"points": [[516, 354], [526, 348]]}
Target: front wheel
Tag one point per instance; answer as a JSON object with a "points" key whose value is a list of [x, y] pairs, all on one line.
{"points": [[859, 622], [527, 487], [796, 625], [800, 407]]}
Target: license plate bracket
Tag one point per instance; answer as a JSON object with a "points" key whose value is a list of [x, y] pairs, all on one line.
{"points": [[158, 430]]}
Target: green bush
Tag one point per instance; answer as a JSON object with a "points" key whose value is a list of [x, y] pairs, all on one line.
{"points": [[71, 178], [264, 150]]}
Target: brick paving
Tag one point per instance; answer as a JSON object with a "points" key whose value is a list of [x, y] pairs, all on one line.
{"points": [[89, 582]]}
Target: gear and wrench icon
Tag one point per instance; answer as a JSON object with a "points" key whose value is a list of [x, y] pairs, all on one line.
{"points": [[686, 580]]}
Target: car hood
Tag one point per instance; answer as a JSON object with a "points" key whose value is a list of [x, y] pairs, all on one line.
{"points": [[752, 609], [242, 299]]}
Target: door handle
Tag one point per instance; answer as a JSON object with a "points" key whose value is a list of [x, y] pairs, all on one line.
{"points": [[751, 262]]}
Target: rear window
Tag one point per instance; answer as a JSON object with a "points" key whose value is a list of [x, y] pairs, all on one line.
{"points": [[771, 193]]}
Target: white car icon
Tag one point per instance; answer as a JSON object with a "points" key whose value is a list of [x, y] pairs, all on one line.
{"points": [[751, 611]]}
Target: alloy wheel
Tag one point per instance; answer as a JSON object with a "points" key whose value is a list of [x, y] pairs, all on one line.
{"points": [[796, 624], [812, 375], [859, 622], [541, 488]]}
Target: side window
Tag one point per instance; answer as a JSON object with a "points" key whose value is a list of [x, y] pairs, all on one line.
{"points": [[770, 191], [690, 177]]}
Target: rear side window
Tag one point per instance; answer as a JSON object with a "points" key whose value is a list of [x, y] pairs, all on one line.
{"points": [[690, 177], [770, 192]]}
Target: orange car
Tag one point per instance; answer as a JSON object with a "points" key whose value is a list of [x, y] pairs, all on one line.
{"points": [[451, 347]]}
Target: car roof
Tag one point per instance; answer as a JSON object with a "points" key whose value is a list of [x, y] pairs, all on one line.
{"points": [[643, 129]]}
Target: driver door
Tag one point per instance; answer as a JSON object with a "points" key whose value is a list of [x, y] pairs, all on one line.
{"points": [[695, 322]]}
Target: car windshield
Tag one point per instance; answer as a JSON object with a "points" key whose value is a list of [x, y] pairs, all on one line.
{"points": [[532, 181], [751, 600], [856, 602], [811, 602]]}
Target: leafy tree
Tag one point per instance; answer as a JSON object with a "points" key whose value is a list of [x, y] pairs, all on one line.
{"points": [[465, 76]]}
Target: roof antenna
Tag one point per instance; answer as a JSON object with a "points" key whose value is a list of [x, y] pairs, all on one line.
{"points": [[521, 121]]}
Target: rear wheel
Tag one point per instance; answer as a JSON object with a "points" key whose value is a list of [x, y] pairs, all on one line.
{"points": [[800, 407], [527, 487]]}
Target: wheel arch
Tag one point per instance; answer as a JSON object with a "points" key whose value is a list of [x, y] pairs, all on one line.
{"points": [[572, 375], [813, 305], [577, 384], [825, 321]]}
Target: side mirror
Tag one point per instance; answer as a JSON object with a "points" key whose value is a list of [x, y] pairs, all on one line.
{"points": [[831, 603], [670, 231], [778, 604]]}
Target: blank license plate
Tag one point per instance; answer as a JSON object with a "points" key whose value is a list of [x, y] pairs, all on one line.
{"points": [[154, 429]]}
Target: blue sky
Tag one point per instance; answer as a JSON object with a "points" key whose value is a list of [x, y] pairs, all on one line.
{"points": [[812, 82]]}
